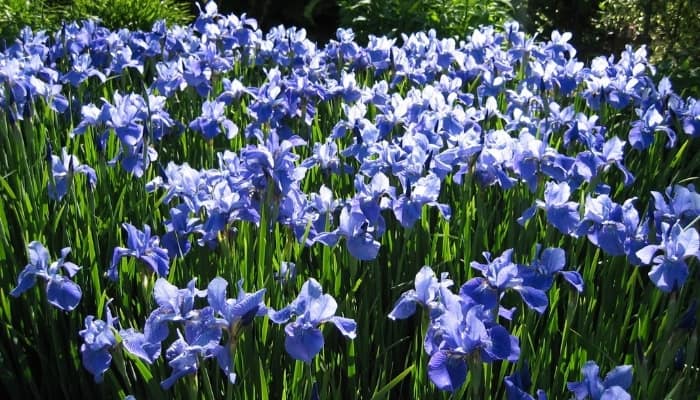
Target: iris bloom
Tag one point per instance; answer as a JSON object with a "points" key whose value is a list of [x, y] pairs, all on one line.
{"points": [[613, 387], [60, 290], [200, 341], [235, 315], [98, 341], [670, 271], [63, 169], [518, 386], [426, 293], [312, 308], [561, 213], [464, 331], [145, 248]]}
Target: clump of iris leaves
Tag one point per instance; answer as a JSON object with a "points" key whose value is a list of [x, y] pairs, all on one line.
{"points": [[335, 183]]}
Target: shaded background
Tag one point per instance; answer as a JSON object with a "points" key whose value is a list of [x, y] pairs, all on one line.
{"points": [[670, 29]]}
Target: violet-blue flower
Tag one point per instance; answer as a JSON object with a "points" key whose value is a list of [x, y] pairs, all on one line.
{"points": [[98, 340], [61, 292], [683, 205], [81, 69], [641, 136], [463, 331], [669, 271], [613, 387], [312, 308], [501, 274], [145, 248], [560, 212], [235, 314], [174, 305], [200, 341], [213, 120], [609, 225], [518, 385], [407, 208], [63, 169], [426, 293], [179, 227], [547, 263]]}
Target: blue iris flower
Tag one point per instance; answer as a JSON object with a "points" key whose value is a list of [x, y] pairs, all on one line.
{"points": [[518, 386], [235, 314], [355, 226], [239, 312], [641, 136], [145, 248], [683, 205], [169, 80], [463, 331], [179, 227], [407, 208], [609, 225], [312, 308], [199, 342], [501, 274], [174, 305], [669, 271], [426, 293], [691, 118], [98, 340], [60, 290], [63, 169], [81, 69], [549, 262], [212, 120], [561, 213], [613, 387]]}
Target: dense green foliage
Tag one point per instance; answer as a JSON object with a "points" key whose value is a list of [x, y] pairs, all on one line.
{"points": [[447, 17], [130, 14], [669, 29], [115, 14], [16, 14]]}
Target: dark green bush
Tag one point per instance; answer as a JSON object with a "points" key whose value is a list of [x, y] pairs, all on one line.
{"points": [[447, 17], [671, 30], [131, 14], [318, 17], [47, 14]]}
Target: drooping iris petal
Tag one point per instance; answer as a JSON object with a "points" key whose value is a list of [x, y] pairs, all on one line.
{"points": [[447, 373], [303, 344], [63, 293], [669, 275], [405, 306], [534, 298], [139, 345], [619, 376], [97, 363]]}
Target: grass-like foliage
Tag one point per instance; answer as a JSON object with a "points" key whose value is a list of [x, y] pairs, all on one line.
{"points": [[113, 14], [130, 14], [213, 211], [16, 14]]}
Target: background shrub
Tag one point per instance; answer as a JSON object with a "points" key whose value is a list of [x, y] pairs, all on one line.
{"points": [[114, 14], [669, 29], [131, 14], [15, 14], [447, 17]]}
